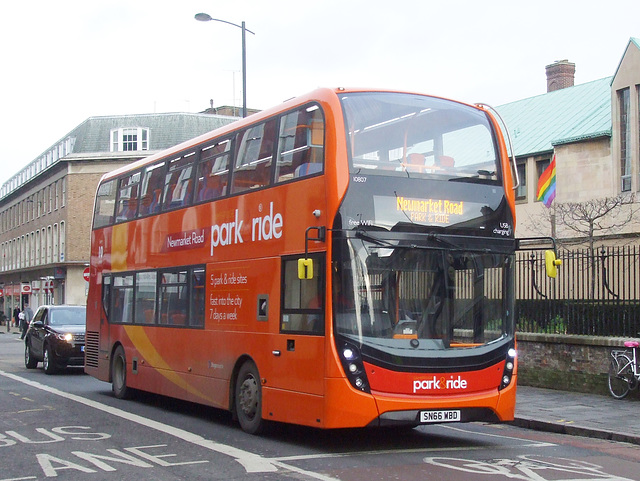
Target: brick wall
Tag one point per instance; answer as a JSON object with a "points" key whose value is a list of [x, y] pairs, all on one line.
{"points": [[573, 363], [81, 191], [560, 75]]}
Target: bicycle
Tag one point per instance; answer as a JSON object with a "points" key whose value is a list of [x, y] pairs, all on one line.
{"points": [[623, 370]]}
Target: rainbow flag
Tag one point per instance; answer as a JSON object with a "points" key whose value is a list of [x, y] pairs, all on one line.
{"points": [[547, 184]]}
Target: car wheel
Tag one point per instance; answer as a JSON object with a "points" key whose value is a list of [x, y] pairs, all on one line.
{"points": [[119, 374], [29, 361], [49, 360], [248, 399]]}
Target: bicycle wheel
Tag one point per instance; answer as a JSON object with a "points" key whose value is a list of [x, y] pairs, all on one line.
{"points": [[620, 376]]}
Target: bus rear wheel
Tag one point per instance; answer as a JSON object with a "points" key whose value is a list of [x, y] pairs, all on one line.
{"points": [[248, 399], [119, 374]]}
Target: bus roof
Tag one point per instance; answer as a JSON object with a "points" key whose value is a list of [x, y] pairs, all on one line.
{"points": [[327, 95]]}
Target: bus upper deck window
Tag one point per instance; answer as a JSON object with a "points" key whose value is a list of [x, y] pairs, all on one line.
{"points": [[255, 153], [151, 190], [300, 144], [105, 204], [178, 187], [212, 171], [127, 205]]}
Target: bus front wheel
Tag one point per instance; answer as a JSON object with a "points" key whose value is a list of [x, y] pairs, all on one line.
{"points": [[119, 374], [248, 399]]}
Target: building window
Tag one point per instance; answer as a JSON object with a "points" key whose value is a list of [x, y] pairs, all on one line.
{"points": [[43, 245], [63, 239], [625, 139], [32, 255], [49, 244], [129, 139], [38, 259], [55, 239], [521, 191]]}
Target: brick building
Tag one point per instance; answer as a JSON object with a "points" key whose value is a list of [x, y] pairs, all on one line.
{"points": [[46, 209]]}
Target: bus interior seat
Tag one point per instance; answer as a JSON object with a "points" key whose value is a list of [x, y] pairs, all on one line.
{"points": [[446, 162], [178, 319], [308, 168], [414, 162]]}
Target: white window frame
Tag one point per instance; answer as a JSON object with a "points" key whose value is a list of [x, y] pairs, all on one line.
{"points": [[117, 138]]}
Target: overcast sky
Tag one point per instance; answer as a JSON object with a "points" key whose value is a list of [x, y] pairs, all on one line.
{"points": [[66, 60]]}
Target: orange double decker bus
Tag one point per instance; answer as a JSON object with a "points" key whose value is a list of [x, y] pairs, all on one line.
{"points": [[343, 260]]}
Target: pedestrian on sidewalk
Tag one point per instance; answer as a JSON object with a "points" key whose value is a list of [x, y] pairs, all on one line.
{"points": [[22, 323], [27, 315], [16, 321]]}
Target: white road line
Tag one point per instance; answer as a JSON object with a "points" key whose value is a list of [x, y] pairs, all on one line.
{"points": [[532, 444], [251, 462]]}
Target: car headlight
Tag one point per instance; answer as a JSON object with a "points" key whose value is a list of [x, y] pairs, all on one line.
{"points": [[68, 337]]}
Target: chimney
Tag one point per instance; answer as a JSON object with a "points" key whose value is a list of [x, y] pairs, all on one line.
{"points": [[560, 75]]}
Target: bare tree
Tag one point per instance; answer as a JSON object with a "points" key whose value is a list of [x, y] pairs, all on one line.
{"points": [[586, 222], [596, 217], [590, 220]]}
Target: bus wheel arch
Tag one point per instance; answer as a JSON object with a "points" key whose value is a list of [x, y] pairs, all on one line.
{"points": [[118, 373], [246, 392]]}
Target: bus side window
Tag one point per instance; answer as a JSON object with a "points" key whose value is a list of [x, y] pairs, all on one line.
{"points": [[197, 297], [174, 297], [302, 299], [145, 297], [105, 205], [178, 186], [213, 171], [106, 294], [255, 154], [300, 144], [127, 205], [122, 299], [151, 190]]}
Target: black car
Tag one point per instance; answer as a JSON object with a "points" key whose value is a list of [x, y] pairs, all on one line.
{"points": [[56, 337]]}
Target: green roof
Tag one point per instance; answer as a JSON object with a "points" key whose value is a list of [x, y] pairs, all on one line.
{"points": [[568, 115]]}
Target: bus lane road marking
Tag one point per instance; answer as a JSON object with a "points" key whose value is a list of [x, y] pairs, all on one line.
{"points": [[251, 462]]}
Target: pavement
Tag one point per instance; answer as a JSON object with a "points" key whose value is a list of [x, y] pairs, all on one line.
{"points": [[564, 412], [579, 414]]}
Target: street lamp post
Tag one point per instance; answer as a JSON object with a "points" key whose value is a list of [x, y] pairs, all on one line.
{"points": [[205, 17]]}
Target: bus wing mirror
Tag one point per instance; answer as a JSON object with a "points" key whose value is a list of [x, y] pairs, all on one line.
{"points": [[551, 263], [305, 269]]}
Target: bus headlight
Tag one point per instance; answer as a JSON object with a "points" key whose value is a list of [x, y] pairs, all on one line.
{"points": [[353, 367], [509, 366]]}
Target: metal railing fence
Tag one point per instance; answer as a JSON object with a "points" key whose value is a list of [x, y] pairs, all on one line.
{"points": [[595, 293]]}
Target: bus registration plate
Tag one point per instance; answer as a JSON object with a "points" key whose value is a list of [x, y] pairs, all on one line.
{"points": [[439, 416]]}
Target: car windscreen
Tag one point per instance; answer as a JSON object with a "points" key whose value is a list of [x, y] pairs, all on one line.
{"points": [[66, 317]]}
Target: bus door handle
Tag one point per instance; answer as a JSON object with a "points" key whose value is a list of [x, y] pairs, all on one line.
{"points": [[276, 353]]}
